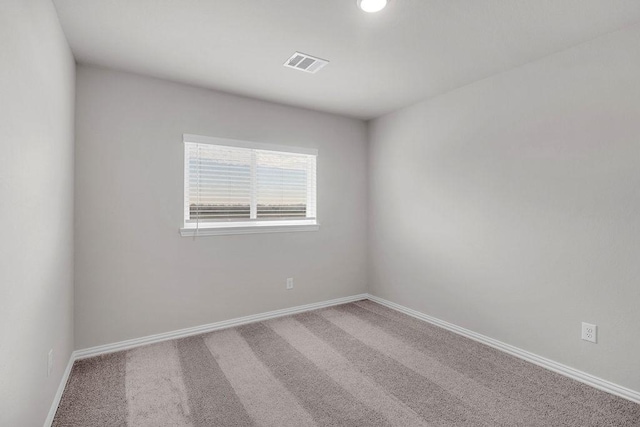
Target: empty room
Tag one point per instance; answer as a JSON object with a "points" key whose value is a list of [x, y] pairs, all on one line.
{"points": [[294, 213]]}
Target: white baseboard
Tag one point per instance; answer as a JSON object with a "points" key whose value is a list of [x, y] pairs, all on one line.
{"points": [[152, 339], [575, 374], [58, 396], [559, 368]]}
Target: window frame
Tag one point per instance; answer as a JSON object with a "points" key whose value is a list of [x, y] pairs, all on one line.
{"points": [[253, 225]]}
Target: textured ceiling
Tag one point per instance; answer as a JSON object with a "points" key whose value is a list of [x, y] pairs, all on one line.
{"points": [[412, 50]]}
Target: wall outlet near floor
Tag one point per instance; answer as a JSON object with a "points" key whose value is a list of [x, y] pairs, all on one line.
{"points": [[290, 283], [589, 332], [50, 362]]}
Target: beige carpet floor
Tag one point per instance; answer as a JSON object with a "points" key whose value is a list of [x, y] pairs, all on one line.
{"points": [[358, 364]]}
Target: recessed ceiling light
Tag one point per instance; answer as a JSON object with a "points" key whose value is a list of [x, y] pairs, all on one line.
{"points": [[372, 6]]}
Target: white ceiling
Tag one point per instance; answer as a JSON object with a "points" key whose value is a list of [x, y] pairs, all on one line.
{"points": [[412, 50]]}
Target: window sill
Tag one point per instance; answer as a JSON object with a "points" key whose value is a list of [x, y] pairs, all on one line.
{"points": [[253, 228]]}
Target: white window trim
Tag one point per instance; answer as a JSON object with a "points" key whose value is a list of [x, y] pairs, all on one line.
{"points": [[246, 227], [251, 228], [246, 144]]}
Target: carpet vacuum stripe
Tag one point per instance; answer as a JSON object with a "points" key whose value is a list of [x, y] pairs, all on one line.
{"points": [[358, 364]]}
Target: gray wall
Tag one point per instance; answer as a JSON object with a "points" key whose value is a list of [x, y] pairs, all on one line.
{"points": [[511, 206], [36, 193], [135, 275]]}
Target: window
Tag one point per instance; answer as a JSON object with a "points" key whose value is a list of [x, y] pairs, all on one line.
{"points": [[245, 187]]}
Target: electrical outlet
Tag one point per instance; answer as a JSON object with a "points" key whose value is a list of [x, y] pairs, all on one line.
{"points": [[589, 332], [50, 362], [290, 283]]}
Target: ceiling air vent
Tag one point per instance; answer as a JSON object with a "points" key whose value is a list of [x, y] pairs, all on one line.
{"points": [[306, 63]]}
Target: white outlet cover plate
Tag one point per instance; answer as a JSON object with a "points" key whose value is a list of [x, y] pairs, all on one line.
{"points": [[589, 332], [290, 283]]}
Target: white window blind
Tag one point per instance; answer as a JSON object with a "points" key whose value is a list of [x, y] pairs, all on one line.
{"points": [[238, 183]]}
